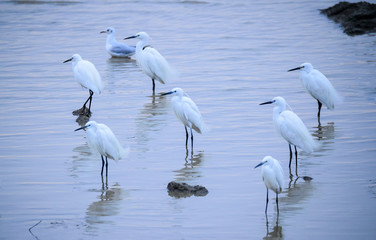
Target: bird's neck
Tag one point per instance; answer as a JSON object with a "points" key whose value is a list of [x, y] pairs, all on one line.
{"points": [[111, 38]]}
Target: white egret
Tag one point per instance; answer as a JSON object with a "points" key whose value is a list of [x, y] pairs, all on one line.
{"points": [[115, 48], [272, 175], [101, 139], [87, 76], [291, 128], [187, 112], [318, 86], [151, 61]]}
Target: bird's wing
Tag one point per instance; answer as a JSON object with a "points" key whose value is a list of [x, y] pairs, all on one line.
{"points": [[88, 76], [157, 65], [278, 174], [294, 131], [110, 144], [122, 49], [192, 114], [322, 89]]}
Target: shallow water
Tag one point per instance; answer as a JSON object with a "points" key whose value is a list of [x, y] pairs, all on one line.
{"points": [[231, 56]]}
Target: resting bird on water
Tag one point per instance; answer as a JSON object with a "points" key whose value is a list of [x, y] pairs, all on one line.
{"points": [[115, 48]]}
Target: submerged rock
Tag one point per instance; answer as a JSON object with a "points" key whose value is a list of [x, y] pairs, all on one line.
{"points": [[356, 18], [179, 190]]}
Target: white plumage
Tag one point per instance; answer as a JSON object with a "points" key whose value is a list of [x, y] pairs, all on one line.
{"points": [[272, 175], [187, 112], [101, 139], [318, 86], [151, 61], [291, 127], [86, 75], [115, 48]]}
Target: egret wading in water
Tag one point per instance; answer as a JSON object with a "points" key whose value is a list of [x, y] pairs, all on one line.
{"points": [[151, 61], [272, 175], [102, 140], [187, 112], [318, 86], [115, 48], [87, 76], [291, 128]]}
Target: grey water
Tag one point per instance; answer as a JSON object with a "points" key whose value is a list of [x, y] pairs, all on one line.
{"points": [[231, 56]]}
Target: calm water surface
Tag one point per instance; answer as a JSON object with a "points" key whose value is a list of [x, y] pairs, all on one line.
{"points": [[231, 56]]}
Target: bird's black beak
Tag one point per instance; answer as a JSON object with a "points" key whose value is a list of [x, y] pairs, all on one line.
{"points": [[268, 102], [70, 59], [294, 69], [130, 37], [166, 93], [102, 31], [260, 164], [80, 128]]}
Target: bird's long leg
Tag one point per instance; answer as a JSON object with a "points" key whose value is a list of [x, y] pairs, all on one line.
{"points": [[267, 201], [102, 166], [91, 98], [290, 156], [186, 137], [276, 200], [153, 84], [296, 161], [106, 167], [319, 108], [191, 141]]}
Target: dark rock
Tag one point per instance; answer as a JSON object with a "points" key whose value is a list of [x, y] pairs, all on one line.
{"points": [[355, 18], [179, 190]]}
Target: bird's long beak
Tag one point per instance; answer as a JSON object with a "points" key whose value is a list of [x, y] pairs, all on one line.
{"points": [[70, 59], [268, 102], [102, 32], [80, 128], [166, 93], [298, 68], [260, 164], [130, 37]]}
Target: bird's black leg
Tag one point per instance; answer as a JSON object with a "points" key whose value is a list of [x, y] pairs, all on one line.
{"points": [[191, 140], [102, 166], [153, 84], [319, 107], [267, 201], [296, 161], [91, 98], [106, 167], [276, 200], [186, 137], [290, 156]]}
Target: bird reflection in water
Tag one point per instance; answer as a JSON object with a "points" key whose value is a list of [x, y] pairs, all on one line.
{"points": [[276, 230], [107, 204], [191, 167]]}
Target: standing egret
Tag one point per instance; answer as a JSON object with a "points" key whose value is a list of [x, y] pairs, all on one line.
{"points": [[187, 112], [115, 48], [151, 61], [291, 128], [272, 175], [102, 139], [318, 86], [87, 76]]}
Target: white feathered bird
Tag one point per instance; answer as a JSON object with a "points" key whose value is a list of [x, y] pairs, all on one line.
{"points": [[318, 86], [101, 139], [291, 128], [151, 61], [272, 175], [115, 48], [87, 76], [187, 112]]}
